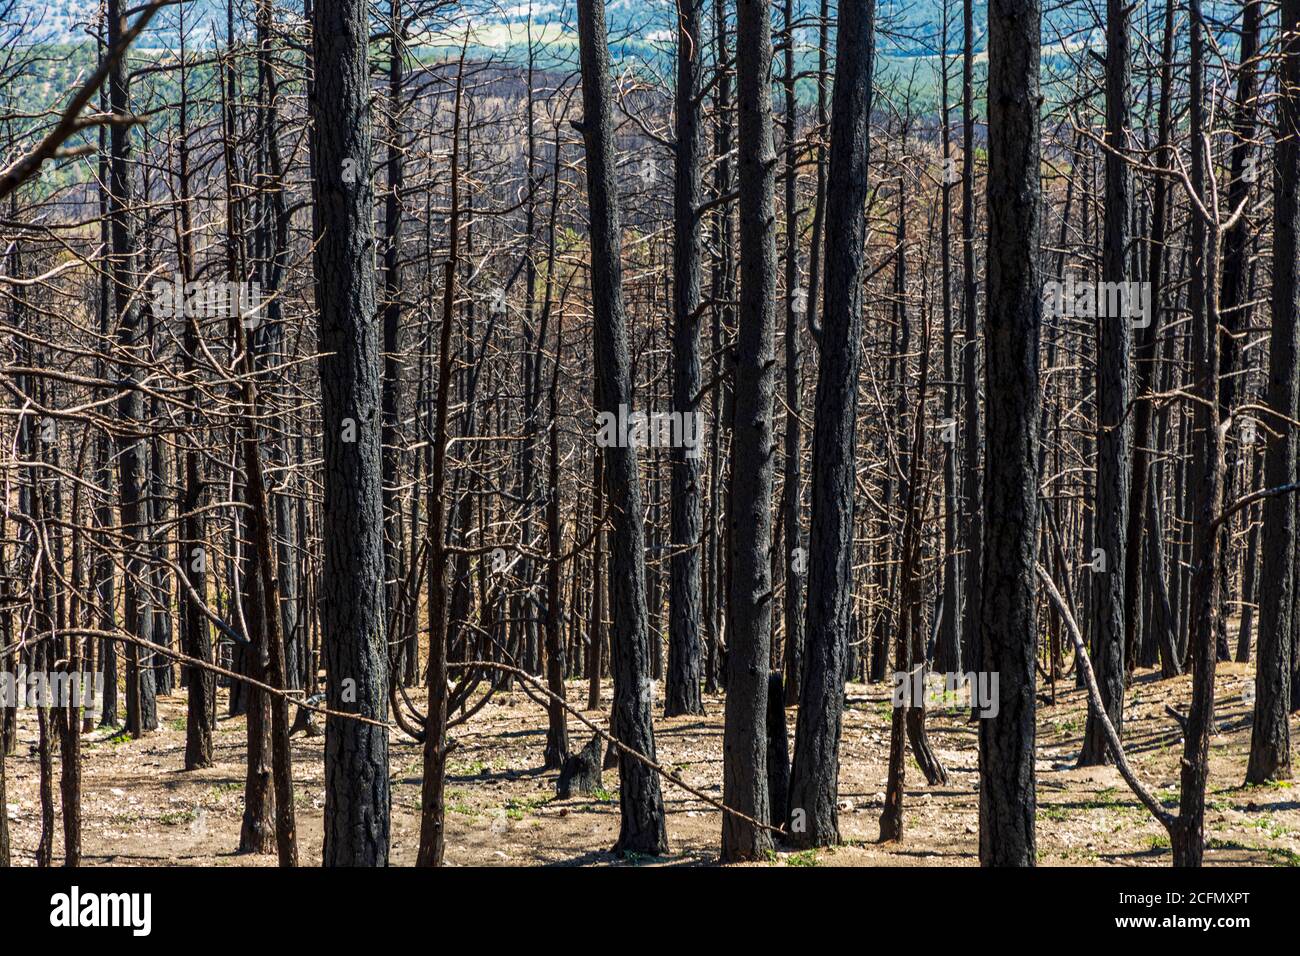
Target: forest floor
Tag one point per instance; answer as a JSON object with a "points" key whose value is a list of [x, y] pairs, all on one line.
{"points": [[141, 809]]}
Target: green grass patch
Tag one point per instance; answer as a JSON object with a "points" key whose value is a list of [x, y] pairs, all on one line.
{"points": [[804, 858]]}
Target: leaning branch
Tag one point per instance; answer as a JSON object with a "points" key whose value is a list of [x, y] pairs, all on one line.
{"points": [[71, 122], [624, 748], [1149, 801]]}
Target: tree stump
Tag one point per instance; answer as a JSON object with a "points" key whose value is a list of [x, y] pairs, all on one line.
{"points": [[581, 771], [305, 720]]}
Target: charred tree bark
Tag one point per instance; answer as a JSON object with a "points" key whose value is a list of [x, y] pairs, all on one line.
{"points": [[641, 805], [201, 685], [947, 655], [795, 303], [1250, 570], [352, 612], [972, 475], [749, 613], [1234, 302], [272, 653], [257, 825], [596, 626], [557, 730], [1013, 316], [1114, 424], [1270, 738], [391, 388], [432, 809], [814, 777], [682, 692], [141, 706], [1205, 479], [1145, 362]]}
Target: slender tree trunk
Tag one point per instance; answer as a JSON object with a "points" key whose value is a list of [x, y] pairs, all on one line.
{"points": [[796, 302], [1206, 480], [1114, 424], [273, 653], [723, 290], [142, 714], [433, 811], [749, 612], [1008, 619], [640, 801], [948, 658], [257, 826], [597, 624], [814, 777], [1270, 738], [1145, 362], [1250, 571], [201, 685], [682, 693], [557, 731], [391, 388], [351, 596], [973, 476], [1234, 302]]}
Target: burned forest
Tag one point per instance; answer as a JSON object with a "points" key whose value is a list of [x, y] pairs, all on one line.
{"points": [[784, 433]]}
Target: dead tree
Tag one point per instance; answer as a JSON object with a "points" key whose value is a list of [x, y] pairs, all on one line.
{"points": [[1114, 423], [683, 684], [1008, 614], [1270, 737], [749, 613], [640, 800], [814, 775], [352, 611]]}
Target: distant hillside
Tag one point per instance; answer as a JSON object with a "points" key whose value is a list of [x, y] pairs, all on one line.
{"points": [[910, 35], [908, 28]]}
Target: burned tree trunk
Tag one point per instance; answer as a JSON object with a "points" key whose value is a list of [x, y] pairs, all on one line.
{"points": [[196, 640], [1234, 301], [1206, 480], [352, 612], [682, 692], [1270, 738], [814, 776], [141, 707], [640, 801], [432, 792], [1014, 312], [797, 303], [947, 654], [1145, 362], [972, 476], [557, 727], [391, 387], [749, 613], [1114, 424]]}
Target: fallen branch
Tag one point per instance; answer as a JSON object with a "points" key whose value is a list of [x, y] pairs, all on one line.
{"points": [[634, 754], [1167, 819]]}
